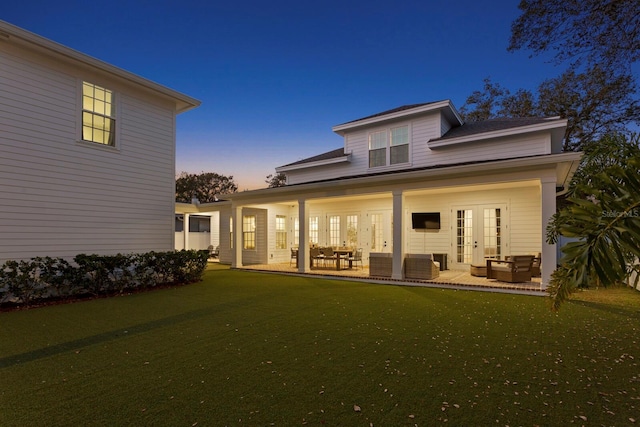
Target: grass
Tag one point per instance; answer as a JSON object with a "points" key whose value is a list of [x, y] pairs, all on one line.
{"points": [[243, 348]]}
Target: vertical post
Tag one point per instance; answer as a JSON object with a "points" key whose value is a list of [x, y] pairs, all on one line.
{"points": [[549, 258], [185, 230], [236, 256], [303, 238], [398, 235]]}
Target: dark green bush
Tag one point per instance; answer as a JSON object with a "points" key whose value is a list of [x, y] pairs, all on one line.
{"points": [[23, 282]]}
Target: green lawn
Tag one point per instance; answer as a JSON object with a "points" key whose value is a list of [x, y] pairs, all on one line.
{"points": [[253, 349]]}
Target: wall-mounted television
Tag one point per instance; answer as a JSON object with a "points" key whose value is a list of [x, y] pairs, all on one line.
{"points": [[425, 220]]}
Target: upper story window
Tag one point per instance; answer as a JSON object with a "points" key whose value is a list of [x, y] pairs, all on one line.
{"points": [[378, 149], [389, 147], [98, 115]]}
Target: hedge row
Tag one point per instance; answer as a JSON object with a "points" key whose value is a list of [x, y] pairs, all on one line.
{"points": [[46, 278]]}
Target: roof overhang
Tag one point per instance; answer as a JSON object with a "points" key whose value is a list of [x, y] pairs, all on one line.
{"points": [[555, 125], [297, 166], [11, 34], [446, 107], [564, 164]]}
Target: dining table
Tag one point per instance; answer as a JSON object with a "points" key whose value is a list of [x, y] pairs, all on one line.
{"points": [[343, 254]]}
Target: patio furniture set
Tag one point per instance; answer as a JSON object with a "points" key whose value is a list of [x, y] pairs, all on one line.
{"points": [[329, 256]]}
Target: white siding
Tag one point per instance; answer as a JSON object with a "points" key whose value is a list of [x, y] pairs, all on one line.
{"points": [[259, 254], [522, 219], [494, 149], [60, 197], [225, 236], [423, 129]]}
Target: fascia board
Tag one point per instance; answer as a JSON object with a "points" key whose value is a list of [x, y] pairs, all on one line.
{"points": [[499, 133], [343, 159], [11, 33], [340, 129], [293, 191]]}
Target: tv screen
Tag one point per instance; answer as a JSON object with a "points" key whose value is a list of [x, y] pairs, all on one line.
{"points": [[425, 220]]}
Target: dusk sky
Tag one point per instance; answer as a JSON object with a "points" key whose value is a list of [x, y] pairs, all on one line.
{"points": [[274, 77]]}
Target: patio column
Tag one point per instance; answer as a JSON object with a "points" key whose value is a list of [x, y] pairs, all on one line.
{"points": [[236, 253], [303, 238], [549, 258], [398, 235], [185, 231]]}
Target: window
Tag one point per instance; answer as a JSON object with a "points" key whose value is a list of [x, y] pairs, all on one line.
{"points": [[334, 230], [313, 230], [397, 142], [296, 231], [199, 224], [352, 230], [98, 115], [281, 232], [179, 223], [249, 231], [378, 149], [231, 232], [399, 150], [376, 232]]}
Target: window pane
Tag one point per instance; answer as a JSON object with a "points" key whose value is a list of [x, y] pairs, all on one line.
{"points": [[334, 230], [281, 232], [377, 157], [313, 230], [352, 230], [378, 140], [98, 123], [400, 154], [400, 136], [249, 231], [376, 232]]}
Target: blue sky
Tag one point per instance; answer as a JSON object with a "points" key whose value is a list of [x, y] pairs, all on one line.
{"points": [[274, 77]]}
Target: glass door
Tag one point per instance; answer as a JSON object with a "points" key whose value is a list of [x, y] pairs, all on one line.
{"points": [[479, 233]]}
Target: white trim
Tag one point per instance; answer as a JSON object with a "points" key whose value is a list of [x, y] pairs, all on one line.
{"points": [[553, 123], [340, 129], [342, 159], [385, 179]]}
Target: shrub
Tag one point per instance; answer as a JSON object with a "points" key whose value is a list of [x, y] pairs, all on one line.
{"points": [[26, 281], [22, 279]]}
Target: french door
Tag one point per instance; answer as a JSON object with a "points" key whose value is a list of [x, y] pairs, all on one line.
{"points": [[479, 233]]}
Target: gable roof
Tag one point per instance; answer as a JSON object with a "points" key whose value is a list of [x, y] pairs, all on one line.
{"points": [[393, 110], [445, 107], [11, 34]]}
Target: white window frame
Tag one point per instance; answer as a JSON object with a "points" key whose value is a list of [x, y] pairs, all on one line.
{"points": [[374, 141], [314, 229], [115, 116], [281, 232], [249, 227]]}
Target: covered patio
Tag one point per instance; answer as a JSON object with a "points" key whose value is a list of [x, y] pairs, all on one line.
{"points": [[452, 279]]}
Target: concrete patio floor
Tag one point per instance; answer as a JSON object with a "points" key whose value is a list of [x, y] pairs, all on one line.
{"points": [[452, 279]]}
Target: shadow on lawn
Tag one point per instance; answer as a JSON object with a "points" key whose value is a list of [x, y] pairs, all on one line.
{"points": [[53, 350], [608, 308]]}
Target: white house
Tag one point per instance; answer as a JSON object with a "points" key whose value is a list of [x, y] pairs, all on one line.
{"points": [[486, 190], [87, 153]]}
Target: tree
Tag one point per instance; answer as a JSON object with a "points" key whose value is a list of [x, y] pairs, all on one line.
{"points": [[206, 187], [585, 32], [278, 180], [603, 213], [594, 104]]}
